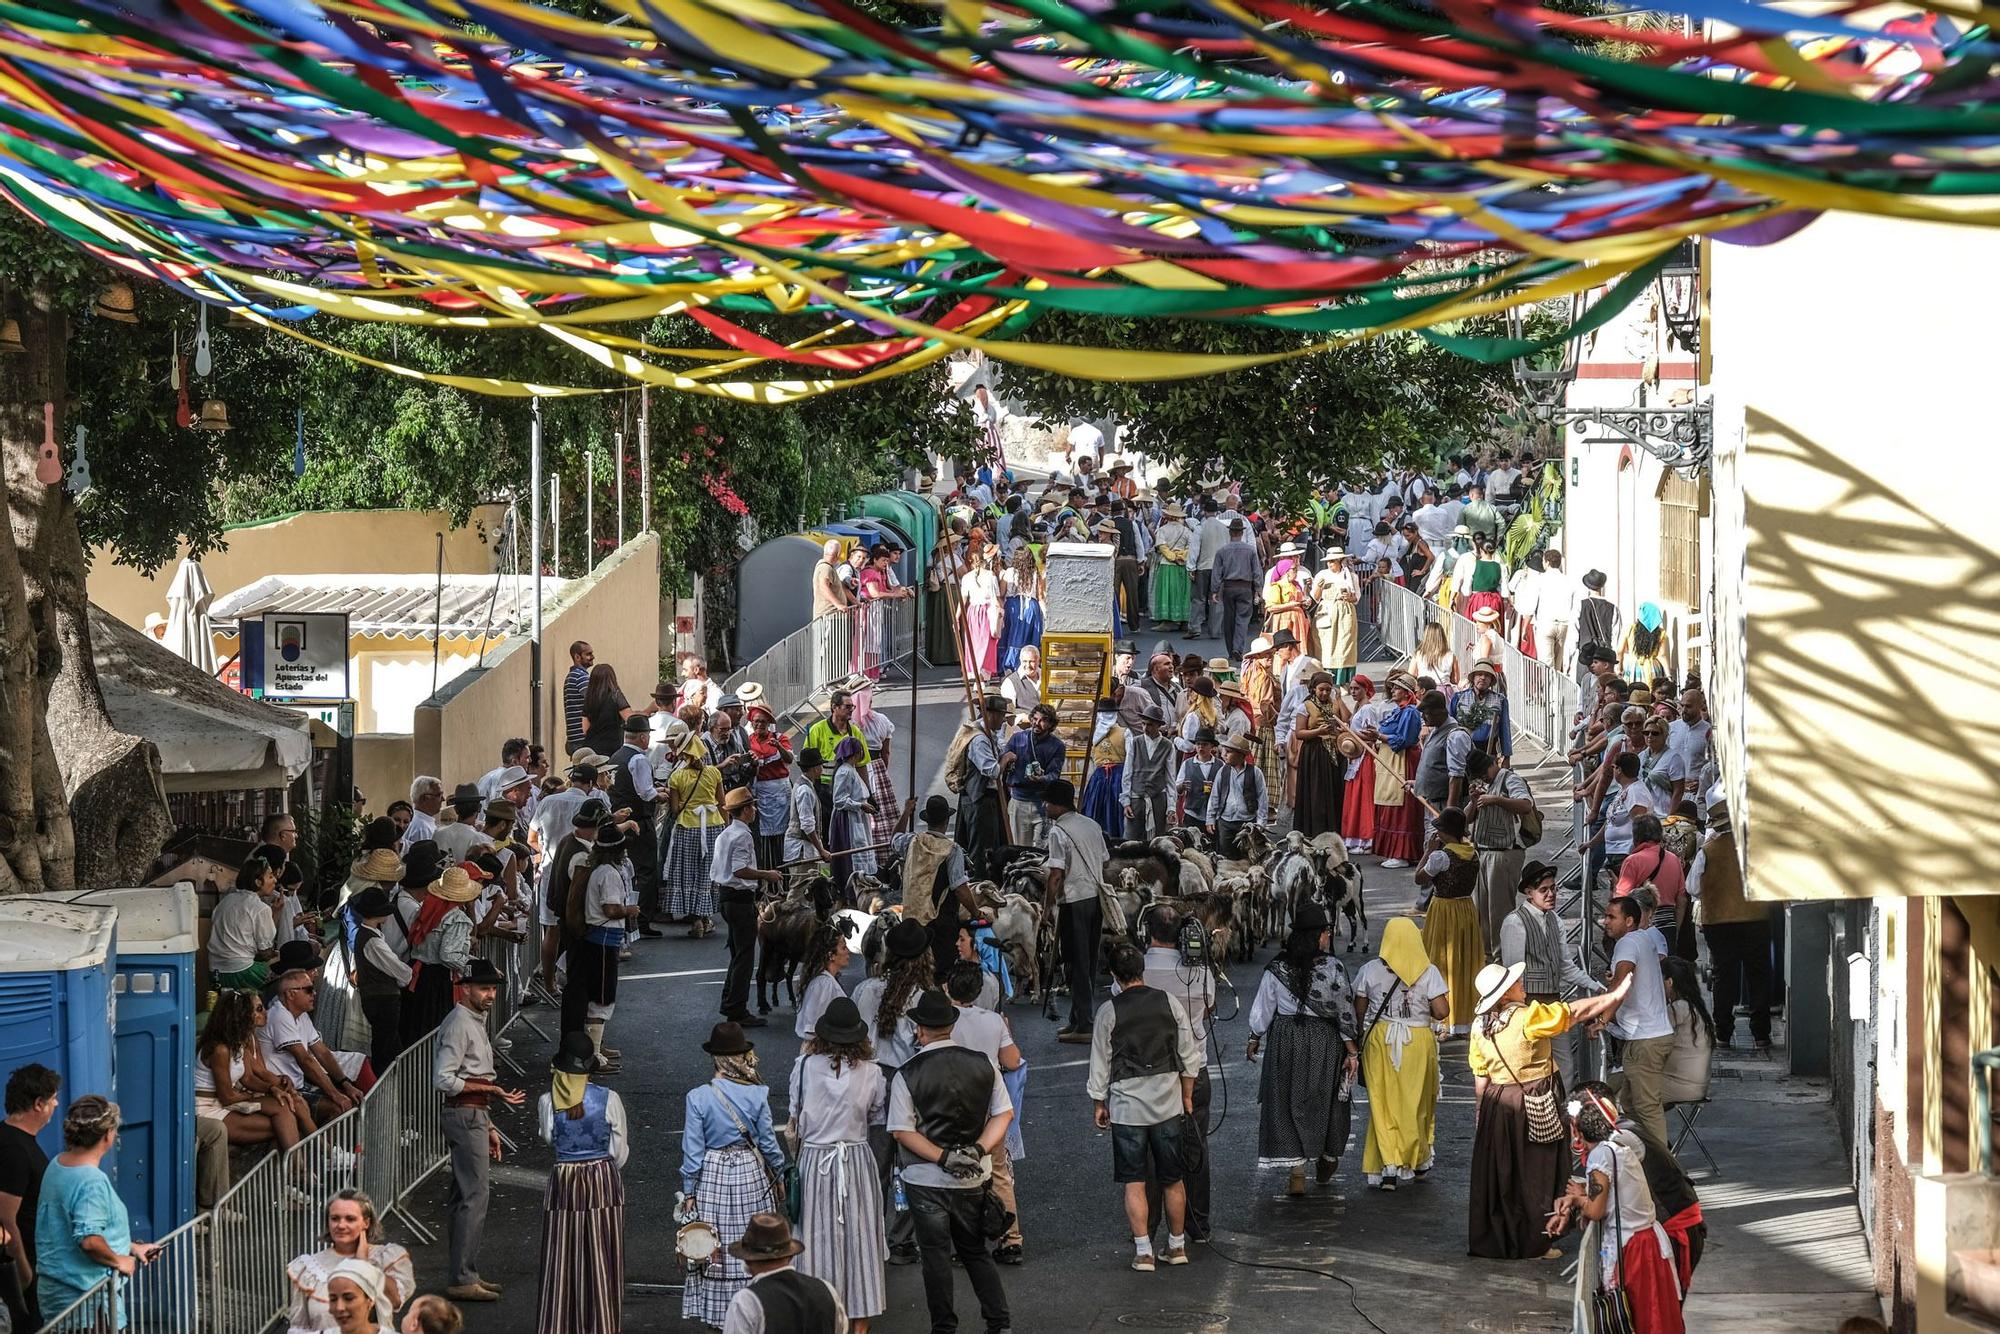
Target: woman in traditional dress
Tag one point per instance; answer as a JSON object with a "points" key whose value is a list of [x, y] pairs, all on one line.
{"points": [[1335, 595], [877, 585], [1434, 657], [853, 816], [594, 928], [876, 732], [985, 614], [1398, 823], [726, 1133], [1488, 576], [1170, 569], [1642, 653], [838, 1091], [1520, 1149], [770, 785], [1101, 799], [1450, 872], [1398, 995], [1264, 693], [1306, 1008], [1022, 583], [1357, 805], [1202, 714], [352, 1233], [354, 1298], [440, 940], [826, 958], [1322, 770], [583, 1207], [694, 810], [1284, 599], [1634, 1251]]}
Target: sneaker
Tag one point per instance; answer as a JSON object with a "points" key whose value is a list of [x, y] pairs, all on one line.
{"points": [[1007, 1255], [1174, 1255], [1143, 1263], [471, 1292], [1394, 864]]}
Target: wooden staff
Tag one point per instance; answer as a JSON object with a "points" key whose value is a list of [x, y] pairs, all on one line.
{"points": [[1375, 758]]}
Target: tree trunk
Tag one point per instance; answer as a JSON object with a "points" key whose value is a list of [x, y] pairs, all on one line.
{"points": [[87, 809]]}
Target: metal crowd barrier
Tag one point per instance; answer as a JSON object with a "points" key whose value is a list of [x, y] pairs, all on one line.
{"points": [[1541, 699], [223, 1272], [875, 638]]}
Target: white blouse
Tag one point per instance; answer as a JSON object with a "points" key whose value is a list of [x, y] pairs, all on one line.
{"points": [[820, 993], [309, 1274], [830, 1107]]}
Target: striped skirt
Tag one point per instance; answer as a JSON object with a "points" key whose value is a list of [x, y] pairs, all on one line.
{"points": [[888, 812], [583, 1249], [689, 893], [841, 1225], [733, 1187]]}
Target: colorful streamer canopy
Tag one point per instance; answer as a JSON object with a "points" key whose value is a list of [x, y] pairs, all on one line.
{"points": [[921, 187]]}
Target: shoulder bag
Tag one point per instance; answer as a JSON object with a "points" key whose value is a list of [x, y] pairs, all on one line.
{"points": [[1361, 1069], [1611, 1308], [1530, 824], [1538, 1100], [781, 1197]]}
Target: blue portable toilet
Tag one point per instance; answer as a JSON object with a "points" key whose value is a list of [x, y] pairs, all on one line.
{"points": [[153, 1008], [55, 998]]}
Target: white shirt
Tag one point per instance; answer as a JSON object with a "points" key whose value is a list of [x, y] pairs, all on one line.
{"points": [[902, 1116], [1140, 1100], [837, 1108], [1643, 1012], [821, 992], [735, 852], [422, 826], [1085, 439], [1076, 847], [1524, 592], [901, 1043], [554, 817], [804, 817], [1556, 598], [1660, 773], [240, 928], [1514, 949], [1690, 742], [1194, 988], [982, 1031], [283, 1029], [1632, 1201], [1434, 524], [746, 1313], [1624, 800], [1021, 690], [456, 841]]}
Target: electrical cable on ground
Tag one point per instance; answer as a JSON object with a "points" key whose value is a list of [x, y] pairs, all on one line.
{"points": [[1353, 1293]]}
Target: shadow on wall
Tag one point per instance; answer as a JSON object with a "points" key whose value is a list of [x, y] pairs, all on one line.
{"points": [[1873, 634]]}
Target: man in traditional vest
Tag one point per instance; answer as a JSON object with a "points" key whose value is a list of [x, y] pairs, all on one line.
{"points": [[632, 789], [1532, 936], [935, 883], [1440, 776], [949, 1110], [779, 1299], [1143, 1063], [1150, 758]]}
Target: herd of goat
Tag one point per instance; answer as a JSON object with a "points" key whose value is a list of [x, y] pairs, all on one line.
{"points": [[1242, 903]]}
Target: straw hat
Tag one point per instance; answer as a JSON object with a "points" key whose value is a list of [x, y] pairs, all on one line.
{"points": [[749, 693], [1493, 982], [214, 415], [1259, 647], [115, 303], [382, 866], [1220, 666], [1487, 615], [1229, 690], [1241, 745], [737, 799], [1174, 510], [455, 886]]}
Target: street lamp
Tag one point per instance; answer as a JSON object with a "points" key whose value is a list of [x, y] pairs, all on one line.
{"points": [[1680, 436], [1680, 297]]}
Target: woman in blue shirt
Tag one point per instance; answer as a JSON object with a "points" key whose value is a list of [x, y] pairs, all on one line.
{"points": [[728, 1127], [82, 1231]]}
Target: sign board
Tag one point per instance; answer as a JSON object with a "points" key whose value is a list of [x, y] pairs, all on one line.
{"points": [[297, 657]]}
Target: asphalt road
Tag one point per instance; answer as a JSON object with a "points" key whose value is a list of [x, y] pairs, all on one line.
{"points": [[1403, 1253]]}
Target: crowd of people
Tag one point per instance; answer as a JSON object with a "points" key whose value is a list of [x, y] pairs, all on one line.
{"points": [[901, 1143]]}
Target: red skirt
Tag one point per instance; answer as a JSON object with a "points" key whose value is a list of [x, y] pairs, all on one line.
{"points": [[1357, 807], [1648, 1277], [1474, 601], [1527, 638], [1399, 829]]}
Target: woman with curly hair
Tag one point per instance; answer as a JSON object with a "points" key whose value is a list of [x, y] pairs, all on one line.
{"points": [[838, 1093], [230, 1084], [883, 1004], [826, 957]]}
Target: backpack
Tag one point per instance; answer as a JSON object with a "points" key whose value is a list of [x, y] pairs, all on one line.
{"points": [[1529, 825], [957, 763]]}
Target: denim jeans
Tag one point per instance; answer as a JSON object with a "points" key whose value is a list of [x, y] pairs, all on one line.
{"points": [[947, 1221]]}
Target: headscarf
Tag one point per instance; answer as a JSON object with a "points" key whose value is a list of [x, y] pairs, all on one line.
{"points": [[1403, 950], [1649, 615], [847, 752], [368, 1278], [566, 1090], [738, 1069], [1364, 685]]}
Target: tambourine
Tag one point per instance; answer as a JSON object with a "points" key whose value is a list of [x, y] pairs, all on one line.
{"points": [[697, 1242]]}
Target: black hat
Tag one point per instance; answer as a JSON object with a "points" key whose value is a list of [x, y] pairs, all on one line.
{"points": [[996, 704], [488, 863], [637, 722], [1310, 918], [371, 902], [907, 940], [726, 1039], [467, 793], [1598, 653], [1533, 872], [482, 973], [380, 832], [933, 1010], [593, 812], [1205, 736], [1594, 581], [1126, 646], [296, 956], [1284, 639], [576, 1056], [841, 1022], [936, 810], [810, 758], [423, 862], [1059, 792], [609, 836], [585, 774]]}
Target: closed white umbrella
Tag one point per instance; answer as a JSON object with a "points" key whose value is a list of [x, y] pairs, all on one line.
{"points": [[189, 635]]}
